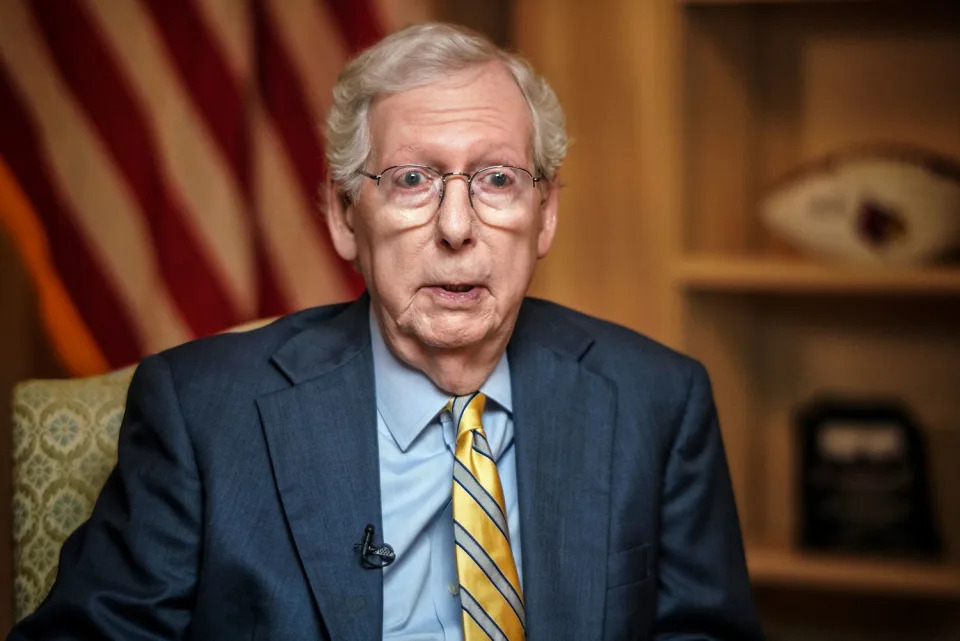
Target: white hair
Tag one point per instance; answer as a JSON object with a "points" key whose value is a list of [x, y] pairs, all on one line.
{"points": [[420, 55]]}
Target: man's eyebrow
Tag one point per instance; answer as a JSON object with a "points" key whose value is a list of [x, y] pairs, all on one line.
{"points": [[403, 151], [494, 159]]}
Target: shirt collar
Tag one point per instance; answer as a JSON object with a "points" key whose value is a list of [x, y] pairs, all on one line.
{"points": [[407, 400]]}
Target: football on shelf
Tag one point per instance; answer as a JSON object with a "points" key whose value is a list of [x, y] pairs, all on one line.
{"points": [[878, 205]]}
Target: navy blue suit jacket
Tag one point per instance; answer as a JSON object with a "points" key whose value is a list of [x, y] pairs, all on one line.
{"points": [[248, 469]]}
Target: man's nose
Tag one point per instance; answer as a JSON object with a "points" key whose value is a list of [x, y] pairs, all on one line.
{"points": [[455, 220]]}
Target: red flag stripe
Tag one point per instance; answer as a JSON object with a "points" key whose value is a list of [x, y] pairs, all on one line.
{"points": [[357, 21], [205, 73], [93, 77], [229, 22], [82, 275], [309, 34], [207, 77], [284, 100], [270, 301], [282, 94]]}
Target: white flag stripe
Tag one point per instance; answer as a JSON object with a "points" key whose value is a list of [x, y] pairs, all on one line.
{"points": [[309, 274], [213, 206], [229, 24], [309, 36], [89, 179]]}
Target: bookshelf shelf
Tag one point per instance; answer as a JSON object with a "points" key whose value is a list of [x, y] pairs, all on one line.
{"points": [[785, 276], [770, 567], [733, 3]]}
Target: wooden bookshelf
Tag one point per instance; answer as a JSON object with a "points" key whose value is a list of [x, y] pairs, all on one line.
{"points": [[765, 86]]}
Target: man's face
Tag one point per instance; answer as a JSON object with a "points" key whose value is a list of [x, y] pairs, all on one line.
{"points": [[454, 281]]}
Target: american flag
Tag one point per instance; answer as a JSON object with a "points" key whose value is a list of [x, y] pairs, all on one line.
{"points": [[160, 163]]}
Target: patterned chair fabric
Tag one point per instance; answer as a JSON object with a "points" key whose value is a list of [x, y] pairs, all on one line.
{"points": [[64, 446]]}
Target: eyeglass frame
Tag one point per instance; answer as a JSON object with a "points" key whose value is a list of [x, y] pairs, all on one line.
{"points": [[443, 177]]}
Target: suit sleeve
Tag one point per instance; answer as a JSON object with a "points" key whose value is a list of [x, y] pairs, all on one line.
{"points": [[130, 571], [704, 591]]}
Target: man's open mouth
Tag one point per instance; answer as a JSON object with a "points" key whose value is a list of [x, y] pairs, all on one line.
{"points": [[458, 289]]}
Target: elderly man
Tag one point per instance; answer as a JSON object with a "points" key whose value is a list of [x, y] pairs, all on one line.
{"points": [[440, 459]]}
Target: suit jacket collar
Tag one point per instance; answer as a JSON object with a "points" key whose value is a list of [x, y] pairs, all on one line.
{"points": [[326, 345], [321, 435]]}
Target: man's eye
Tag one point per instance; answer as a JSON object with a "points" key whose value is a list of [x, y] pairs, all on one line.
{"points": [[498, 179], [412, 178]]}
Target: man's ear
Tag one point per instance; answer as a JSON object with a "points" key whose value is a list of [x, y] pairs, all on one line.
{"points": [[339, 213], [548, 216]]}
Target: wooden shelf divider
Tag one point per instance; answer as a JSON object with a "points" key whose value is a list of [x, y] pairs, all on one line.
{"points": [[784, 276], [826, 572], [709, 3]]}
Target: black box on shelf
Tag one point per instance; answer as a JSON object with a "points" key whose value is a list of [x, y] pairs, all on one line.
{"points": [[864, 484]]}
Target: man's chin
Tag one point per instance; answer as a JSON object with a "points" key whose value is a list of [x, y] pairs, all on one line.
{"points": [[452, 331], [452, 338]]}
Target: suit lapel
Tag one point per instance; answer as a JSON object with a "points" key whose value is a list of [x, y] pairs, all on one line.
{"points": [[563, 423], [321, 435]]}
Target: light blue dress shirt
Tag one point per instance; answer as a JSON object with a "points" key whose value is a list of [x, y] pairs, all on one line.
{"points": [[421, 598]]}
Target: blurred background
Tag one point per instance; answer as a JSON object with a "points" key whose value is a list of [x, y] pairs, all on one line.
{"points": [[158, 171]]}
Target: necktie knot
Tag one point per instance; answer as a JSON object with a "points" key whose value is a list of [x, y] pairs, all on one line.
{"points": [[467, 412]]}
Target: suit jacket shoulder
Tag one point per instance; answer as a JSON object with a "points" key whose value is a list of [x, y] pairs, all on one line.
{"points": [[239, 367], [245, 354], [656, 376]]}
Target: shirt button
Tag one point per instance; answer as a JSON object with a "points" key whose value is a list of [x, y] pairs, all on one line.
{"points": [[454, 589]]}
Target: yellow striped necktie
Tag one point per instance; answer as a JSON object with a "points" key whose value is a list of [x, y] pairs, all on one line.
{"points": [[490, 594]]}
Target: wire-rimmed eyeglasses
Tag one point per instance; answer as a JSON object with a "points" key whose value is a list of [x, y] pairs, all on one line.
{"points": [[497, 193]]}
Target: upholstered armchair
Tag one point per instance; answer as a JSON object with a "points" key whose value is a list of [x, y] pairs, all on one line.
{"points": [[64, 446]]}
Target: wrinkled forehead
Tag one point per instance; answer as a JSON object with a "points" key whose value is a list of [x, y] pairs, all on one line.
{"points": [[480, 110]]}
